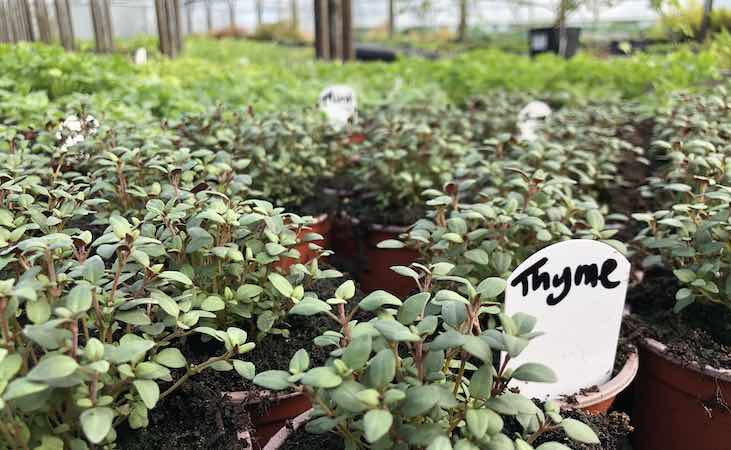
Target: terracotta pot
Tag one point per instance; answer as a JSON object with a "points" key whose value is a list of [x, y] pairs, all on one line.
{"points": [[278, 439], [270, 411], [321, 226], [680, 408], [377, 273], [600, 401]]}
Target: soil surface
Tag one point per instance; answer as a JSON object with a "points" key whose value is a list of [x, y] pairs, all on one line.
{"points": [[698, 336], [612, 430], [302, 440], [192, 418]]}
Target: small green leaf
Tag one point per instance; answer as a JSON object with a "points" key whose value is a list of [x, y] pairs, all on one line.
{"points": [[535, 372], [96, 423], [149, 392], [377, 423], [275, 380], [491, 287], [345, 291], [378, 299], [281, 284], [322, 377], [391, 243], [579, 431], [171, 357], [52, 367], [244, 368], [176, 276]]}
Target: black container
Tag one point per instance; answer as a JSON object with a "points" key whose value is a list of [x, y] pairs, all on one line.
{"points": [[547, 40]]}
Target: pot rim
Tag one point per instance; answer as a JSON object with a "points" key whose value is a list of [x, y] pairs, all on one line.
{"points": [[245, 397], [611, 388], [660, 349], [278, 439]]}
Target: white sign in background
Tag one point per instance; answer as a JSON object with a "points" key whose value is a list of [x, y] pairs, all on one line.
{"points": [[576, 290], [339, 103]]}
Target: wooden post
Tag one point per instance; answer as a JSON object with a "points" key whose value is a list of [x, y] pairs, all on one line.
{"points": [[65, 24], [462, 27], [101, 18], [706, 20], [346, 23], [322, 29], [391, 17], [189, 17], [4, 25], [19, 23], [336, 30], [209, 16], [27, 19], [168, 27], [294, 15], [259, 13], [44, 22], [232, 15]]}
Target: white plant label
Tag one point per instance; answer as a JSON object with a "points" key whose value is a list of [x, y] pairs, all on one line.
{"points": [[339, 103], [576, 290], [140, 56], [530, 119]]}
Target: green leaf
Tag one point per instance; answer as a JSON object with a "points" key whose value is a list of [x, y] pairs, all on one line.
{"points": [[149, 392], [309, 306], [22, 387], [412, 308], [394, 331], [419, 400], [322, 377], [171, 357], [275, 380], [477, 422], [96, 423], [382, 369], [477, 348], [265, 321], [481, 382], [345, 291], [405, 271], [79, 299], [281, 284], [579, 431], [176, 276], [52, 367], [478, 256], [245, 369], [440, 443], [213, 303], [535, 372], [595, 219], [552, 446], [300, 362], [491, 287], [377, 423], [357, 353], [377, 299], [685, 275], [391, 243], [133, 317]]}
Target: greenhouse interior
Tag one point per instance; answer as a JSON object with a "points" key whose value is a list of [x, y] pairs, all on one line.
{"points": [[365, 224]]}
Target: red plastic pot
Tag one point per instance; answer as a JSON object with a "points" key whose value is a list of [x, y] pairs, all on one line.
{"points": [[321, 226], [279, 439], [377, 273], [599, 401], [270, 411], [680, 408]]}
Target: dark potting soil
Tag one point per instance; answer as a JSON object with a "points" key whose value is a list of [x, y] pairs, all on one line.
{"points": [[700, 335], [274, 351], [192, 418], [612, 430], [302, 440]]}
